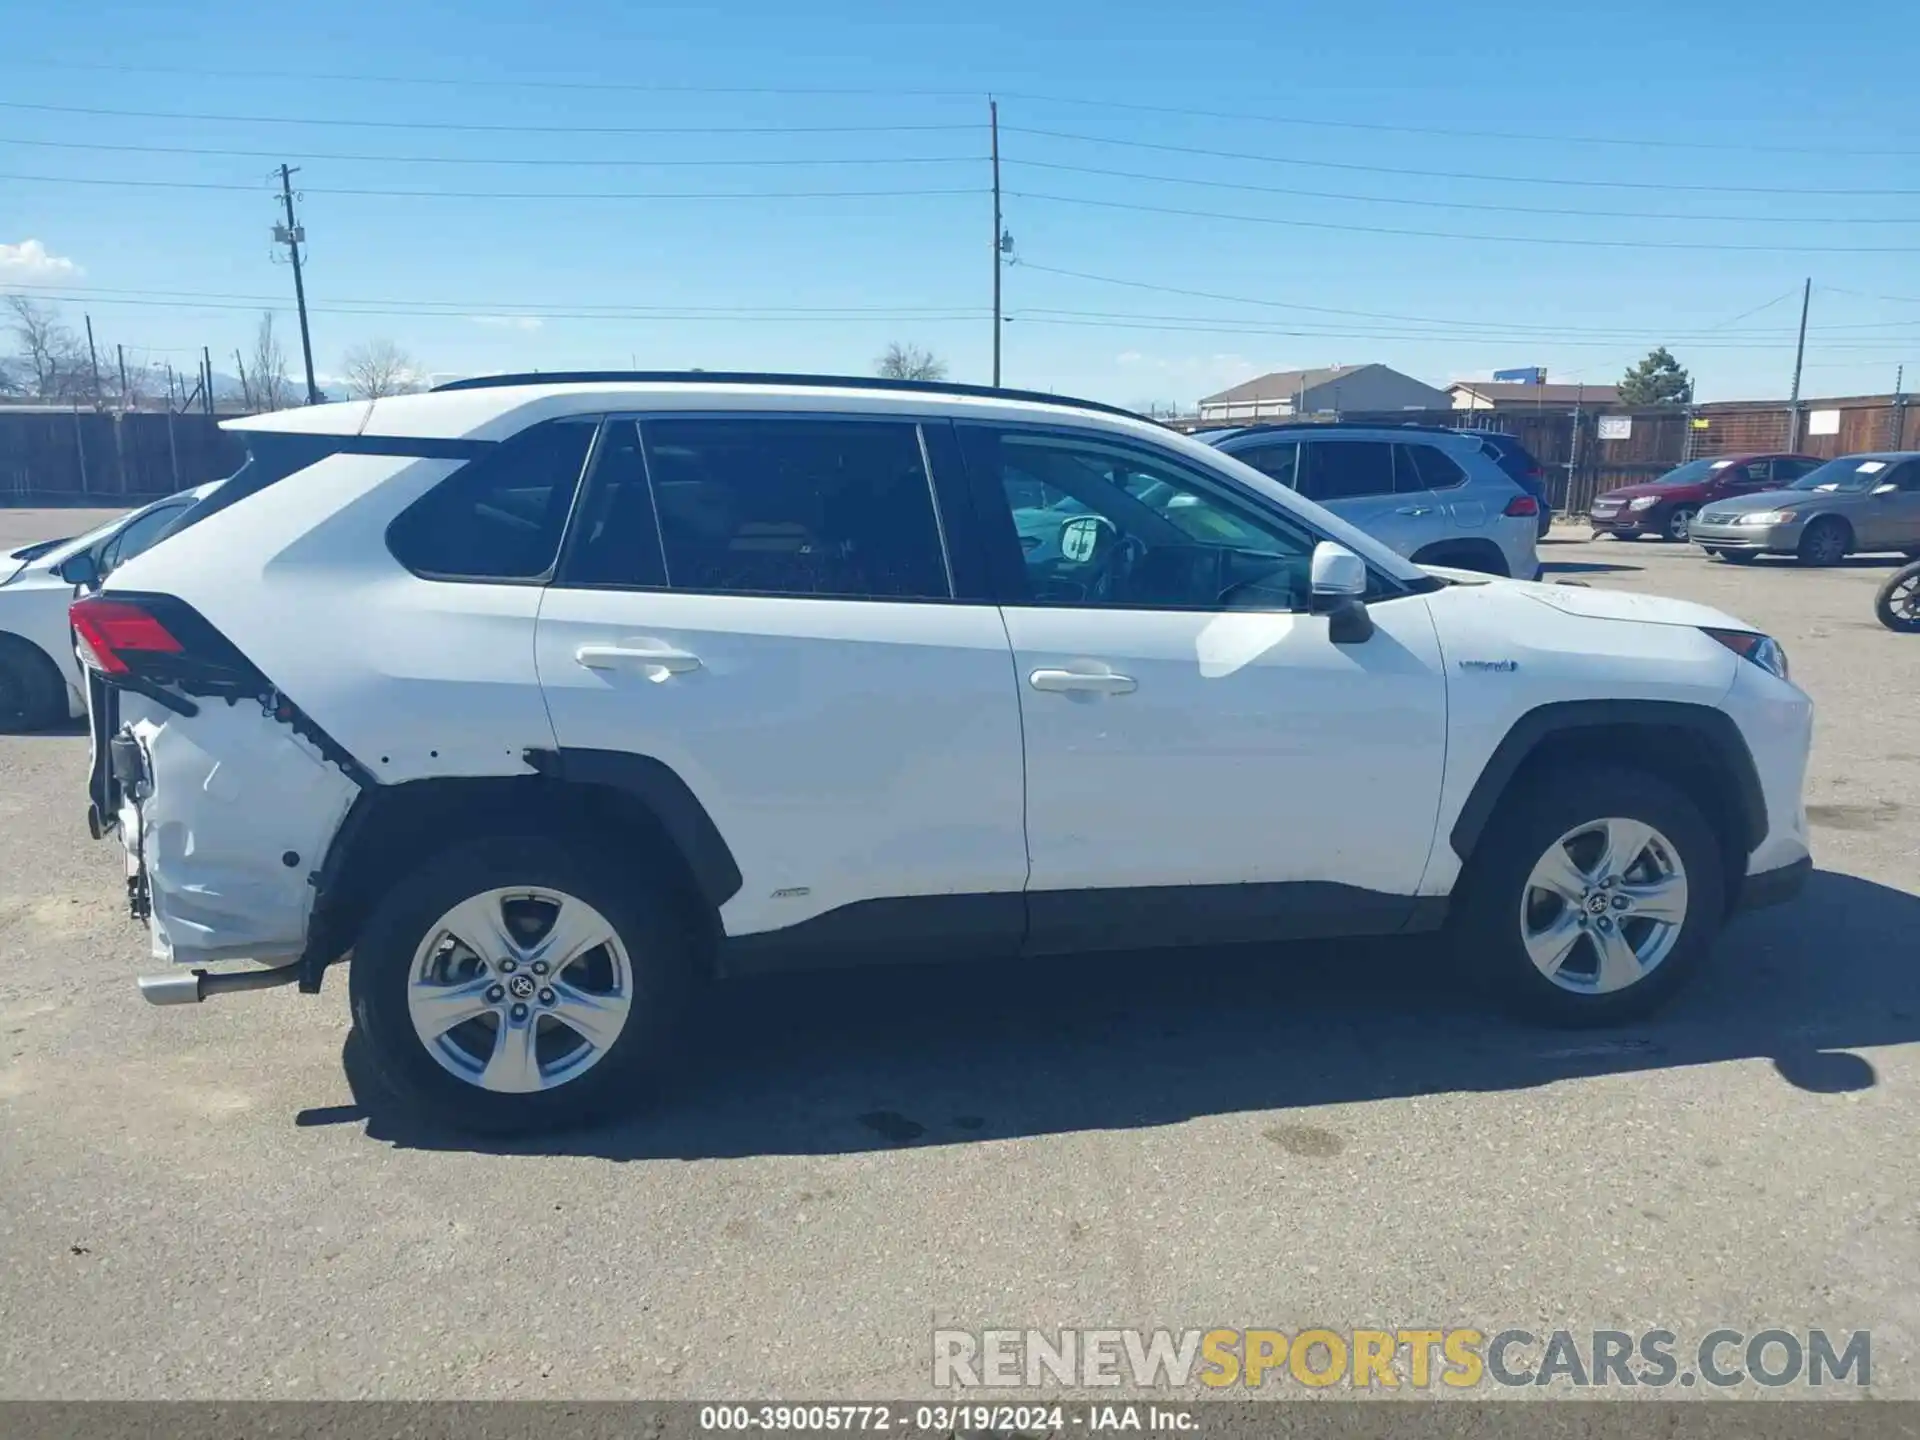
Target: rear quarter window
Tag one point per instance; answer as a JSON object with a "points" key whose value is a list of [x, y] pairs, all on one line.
{"points": [[501, 515]]}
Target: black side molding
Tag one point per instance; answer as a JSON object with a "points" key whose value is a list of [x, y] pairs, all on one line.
{"points": [[1724, 748], [663, 792]]}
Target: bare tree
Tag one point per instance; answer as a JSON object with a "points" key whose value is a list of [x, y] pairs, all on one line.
{"points": [[263, 374], [51, 360], [378, 368], [909, 362]]}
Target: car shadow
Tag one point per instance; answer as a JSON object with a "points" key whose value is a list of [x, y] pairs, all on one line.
{"points": [[64, 730], [852, 1061]]}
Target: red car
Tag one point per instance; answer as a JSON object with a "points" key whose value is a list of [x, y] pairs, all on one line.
{"points": [[1665, 507]]}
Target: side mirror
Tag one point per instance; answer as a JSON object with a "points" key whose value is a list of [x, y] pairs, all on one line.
{"points": [[1886, 489], [1338, 581], [81, 568], [1084, 536]]}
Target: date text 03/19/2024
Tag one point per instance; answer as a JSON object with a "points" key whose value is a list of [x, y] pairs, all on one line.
{"points": [[949, 1418]]}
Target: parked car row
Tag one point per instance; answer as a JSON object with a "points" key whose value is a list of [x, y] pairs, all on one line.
{"points": [[1738, 507], [547, 698]]}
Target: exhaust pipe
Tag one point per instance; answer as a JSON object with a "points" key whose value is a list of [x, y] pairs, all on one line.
{"points": [[198, 985]]}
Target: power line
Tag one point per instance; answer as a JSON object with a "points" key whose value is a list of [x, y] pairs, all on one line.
{"points": [[1319, 123], [501, 82], [358, 122], [1426, 174], [1034, 97], [1466, 204], [541, 160], [512, 194], [461, 307], [1614, 333], [1269, 303], [414, 312], [1248, 330], [1582, 241]]}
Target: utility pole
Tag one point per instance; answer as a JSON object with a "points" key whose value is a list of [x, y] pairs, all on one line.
{"points": [[1898, 418], [1799, 354], [206, 382], [291, 235], [93, 359], [126, 396], [993, 127]]}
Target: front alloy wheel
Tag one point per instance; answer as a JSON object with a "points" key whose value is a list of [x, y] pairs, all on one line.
{"points": [[1604, 906], [1680, 524], [1592, 895]]}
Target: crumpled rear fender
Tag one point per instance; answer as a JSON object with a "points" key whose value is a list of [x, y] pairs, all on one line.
{"points": [[230, 821]]}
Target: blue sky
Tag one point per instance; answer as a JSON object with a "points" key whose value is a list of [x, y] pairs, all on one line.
{"points": [[1266, 154]]}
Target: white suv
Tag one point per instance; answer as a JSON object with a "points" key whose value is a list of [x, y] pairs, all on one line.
{"points": [[547, 697]]}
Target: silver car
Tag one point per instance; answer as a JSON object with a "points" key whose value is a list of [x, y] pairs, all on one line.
{"points": [[1858, 503], [1432, 494]]}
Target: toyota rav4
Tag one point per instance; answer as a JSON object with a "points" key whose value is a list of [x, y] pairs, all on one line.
{"points": [[544, 699]]}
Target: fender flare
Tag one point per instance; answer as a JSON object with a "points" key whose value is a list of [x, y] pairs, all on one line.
{"points": [[1730, 761]]}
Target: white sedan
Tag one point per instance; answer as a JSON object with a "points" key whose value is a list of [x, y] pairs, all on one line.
{"points": [[40, 678]]}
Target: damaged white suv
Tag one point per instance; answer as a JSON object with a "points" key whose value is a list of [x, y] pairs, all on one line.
{"points": [[545, 698]]}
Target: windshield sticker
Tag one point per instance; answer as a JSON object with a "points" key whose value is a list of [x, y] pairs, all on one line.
{"points": [[1720, 464], [1872, 467]]}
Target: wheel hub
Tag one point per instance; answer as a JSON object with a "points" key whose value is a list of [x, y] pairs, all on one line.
{"points": [[520, 990], [1603, 906]]}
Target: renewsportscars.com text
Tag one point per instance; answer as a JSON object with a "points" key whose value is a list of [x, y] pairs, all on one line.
{"points": [[1460, 1358]]}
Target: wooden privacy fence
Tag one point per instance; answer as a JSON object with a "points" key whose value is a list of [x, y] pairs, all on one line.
{"points": [[52, 456]]}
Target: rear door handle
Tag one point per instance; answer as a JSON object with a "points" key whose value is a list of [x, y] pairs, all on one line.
{"points": [[1076, 681], [637, 657]]}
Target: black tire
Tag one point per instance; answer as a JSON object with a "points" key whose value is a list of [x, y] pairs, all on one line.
{"points": [[1826, 542], [1544, 524], [1898, 604], [1678, 524], [32, 694], [650, 924], [1733, 557], [1487, 919]]}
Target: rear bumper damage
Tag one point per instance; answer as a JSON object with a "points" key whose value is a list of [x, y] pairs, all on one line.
{"points": [[225, 816]]}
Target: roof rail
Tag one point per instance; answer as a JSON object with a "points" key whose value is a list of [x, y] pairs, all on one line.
{"points": [[748, 377], [1343, 425]]}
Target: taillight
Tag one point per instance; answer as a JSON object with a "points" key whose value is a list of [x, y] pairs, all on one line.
{"points": [[116, 636], [1522, 505]]}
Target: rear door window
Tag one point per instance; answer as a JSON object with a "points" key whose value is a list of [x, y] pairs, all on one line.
{"points": [[1346, 469], [500, 516], [826, 508]]}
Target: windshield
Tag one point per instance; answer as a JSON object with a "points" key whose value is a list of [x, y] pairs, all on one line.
{"points": [[1691, 473], [1850, 472]]}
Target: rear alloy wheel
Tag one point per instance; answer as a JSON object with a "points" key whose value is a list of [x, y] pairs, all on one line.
{"points": [[1680, 523], [1595, 898], [1826, 542], [1898, 603], [510, 986]]}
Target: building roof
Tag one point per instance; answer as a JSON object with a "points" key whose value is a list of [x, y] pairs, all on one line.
{"points": [[1282, 384], [1504, 391]]}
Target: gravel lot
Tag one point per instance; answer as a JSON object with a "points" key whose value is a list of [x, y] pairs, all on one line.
{"points": [[194, 1204]]}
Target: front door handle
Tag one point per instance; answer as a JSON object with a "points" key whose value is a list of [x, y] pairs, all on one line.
{"points": [[662, 658], [1076, 681], [1415, 510]]}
